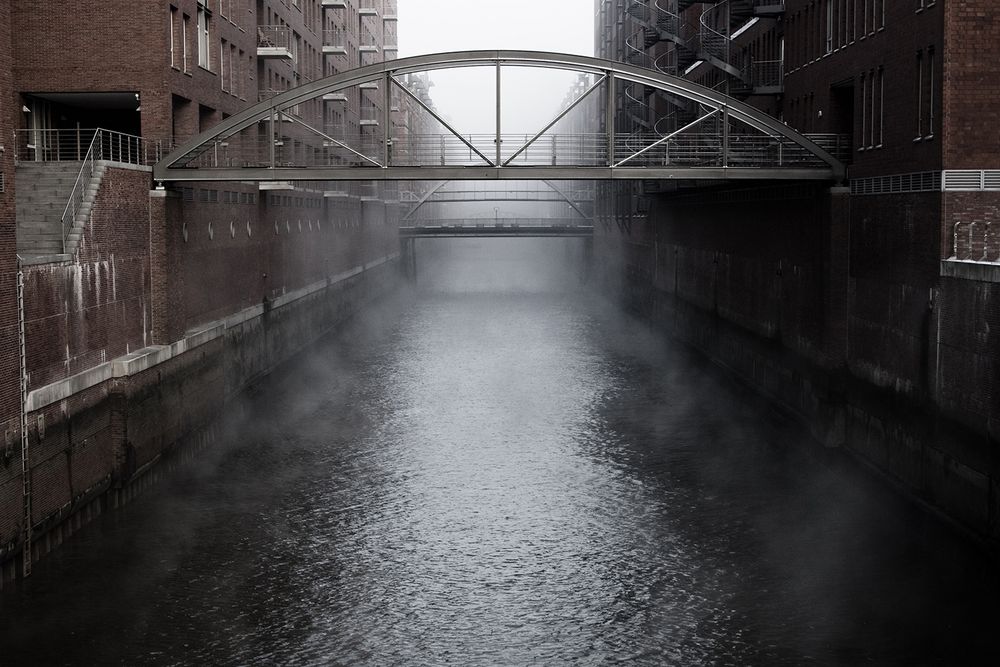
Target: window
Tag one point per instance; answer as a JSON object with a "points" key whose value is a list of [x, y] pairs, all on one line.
{"points": [[878, 122], [829, 26], [233, 64], [224, 80], [242, 78], [173, 37], [864, 111], [925, 95], [204, 39], [184, 42], [930, 93]]}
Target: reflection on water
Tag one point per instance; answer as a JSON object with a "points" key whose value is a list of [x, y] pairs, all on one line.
{"points": [[494, 470]]}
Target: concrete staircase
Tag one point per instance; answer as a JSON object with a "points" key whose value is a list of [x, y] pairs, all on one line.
{"points": [[43, 189]]}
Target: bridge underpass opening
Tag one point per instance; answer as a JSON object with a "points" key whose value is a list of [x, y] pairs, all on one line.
{"points": [[491, 210]]}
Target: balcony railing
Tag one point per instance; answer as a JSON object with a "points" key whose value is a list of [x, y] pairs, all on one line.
{"points": [[335, 41], [767, 73], [274, 41]]}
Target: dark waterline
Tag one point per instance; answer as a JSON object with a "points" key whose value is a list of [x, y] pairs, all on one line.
{"points": [[497, 470]]}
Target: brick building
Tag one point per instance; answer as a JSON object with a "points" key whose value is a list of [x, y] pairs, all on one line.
{"points": [[123, 279], [871, 306]]}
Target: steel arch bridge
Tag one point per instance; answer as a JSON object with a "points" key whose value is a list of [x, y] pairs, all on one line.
{"points": [[724, 138]]}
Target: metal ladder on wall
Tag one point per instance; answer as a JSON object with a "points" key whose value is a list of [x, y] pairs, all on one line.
{"points": [[25, 460]]}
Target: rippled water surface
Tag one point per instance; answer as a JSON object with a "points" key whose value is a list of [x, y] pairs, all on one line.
{"points": [[496, 470]]}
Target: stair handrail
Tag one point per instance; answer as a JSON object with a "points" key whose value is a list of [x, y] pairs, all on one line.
{"points": [[713, 42], [78, 192]]}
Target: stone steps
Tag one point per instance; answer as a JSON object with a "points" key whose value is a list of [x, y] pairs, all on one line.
{"points": [[43, 190]]}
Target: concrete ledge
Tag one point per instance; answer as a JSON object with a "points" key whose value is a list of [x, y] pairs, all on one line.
{"points": [[148, 357], [32, 260], [123, 165], [987, 272]]}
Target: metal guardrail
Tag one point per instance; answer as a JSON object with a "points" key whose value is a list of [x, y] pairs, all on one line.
{"points": [[273, 37], [73, 145], [88, 146], [335, 37], [767, 73], [707, 148]]}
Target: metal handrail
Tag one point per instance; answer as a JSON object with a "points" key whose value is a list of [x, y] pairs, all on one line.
{"points": [[78, 192]]}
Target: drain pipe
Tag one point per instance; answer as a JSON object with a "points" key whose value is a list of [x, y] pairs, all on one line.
{"points": [[25, 452], [986, 242]]}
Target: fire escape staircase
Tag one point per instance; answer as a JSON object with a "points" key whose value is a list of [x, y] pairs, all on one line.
{"points": [[718, 24]]}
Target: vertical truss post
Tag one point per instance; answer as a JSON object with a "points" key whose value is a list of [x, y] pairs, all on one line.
{"points": [[725, 136], [609, 119], [271, 137], [386, 119], [498, 113]]}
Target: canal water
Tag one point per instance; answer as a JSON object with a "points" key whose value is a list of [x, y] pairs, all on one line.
{"points": [[498, 469]]}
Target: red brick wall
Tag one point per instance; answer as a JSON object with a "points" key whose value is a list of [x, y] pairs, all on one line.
{"points": [[295, 239], [811, 73], [10, 481], [961, 238], [971, 84], [80, 315]]}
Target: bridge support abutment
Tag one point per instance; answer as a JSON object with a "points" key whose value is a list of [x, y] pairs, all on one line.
{"points": [[166, 235]]}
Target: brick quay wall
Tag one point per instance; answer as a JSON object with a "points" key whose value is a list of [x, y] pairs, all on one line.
{"points": [[840, 310], [177, 301]]}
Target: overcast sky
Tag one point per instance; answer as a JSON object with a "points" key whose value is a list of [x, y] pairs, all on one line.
{"points": [[466, 97]]}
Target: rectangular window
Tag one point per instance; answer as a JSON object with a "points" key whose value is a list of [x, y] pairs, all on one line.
{"points": [[829, 26], [864, 111], [222, 65], [204, 39], [920, 95], [242, 76], [233, 63], [878, 121], [930, 93], [184, 42], [173, 37]]}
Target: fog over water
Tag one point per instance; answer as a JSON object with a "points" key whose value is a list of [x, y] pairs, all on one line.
{"points": [[498, 468]]}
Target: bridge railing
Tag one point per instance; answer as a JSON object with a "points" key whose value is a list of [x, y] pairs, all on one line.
{"points": [[709, 148], [482, 222]]}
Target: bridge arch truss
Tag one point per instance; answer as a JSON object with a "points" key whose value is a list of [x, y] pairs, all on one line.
{"points": [[725, 139]]}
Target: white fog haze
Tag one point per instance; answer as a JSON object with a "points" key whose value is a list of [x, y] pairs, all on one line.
{"points": [[467, 97]]}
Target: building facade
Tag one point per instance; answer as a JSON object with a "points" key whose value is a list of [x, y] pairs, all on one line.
{"points": [[870, 306]]}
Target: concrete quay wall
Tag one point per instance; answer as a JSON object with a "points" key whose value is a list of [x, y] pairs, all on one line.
{"points": [[895, 362]]}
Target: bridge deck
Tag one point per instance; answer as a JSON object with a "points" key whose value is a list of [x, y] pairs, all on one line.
{"points": [[497, 231]]}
